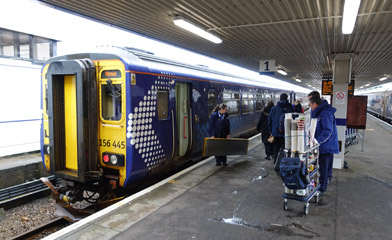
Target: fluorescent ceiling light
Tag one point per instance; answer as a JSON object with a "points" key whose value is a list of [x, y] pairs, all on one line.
{"points": [[309, 85], [350, 13], [298, 80], [367, 84], [383, 78], [185, 24], [282, 72], [361, 87]]}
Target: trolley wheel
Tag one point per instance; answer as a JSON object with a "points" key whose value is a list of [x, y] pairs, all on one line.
{"points": [[306, 208], [285, 201], [317, 198]]}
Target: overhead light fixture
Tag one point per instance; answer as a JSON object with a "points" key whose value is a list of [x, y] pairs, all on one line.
{"points": [[309, 85], [366, 85], [189, 26], [282, 72], [361, 87], [350, 13], [298, 80], [383, 78]]}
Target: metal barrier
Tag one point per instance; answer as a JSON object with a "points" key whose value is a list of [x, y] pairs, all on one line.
{"points": [[352, 137]]}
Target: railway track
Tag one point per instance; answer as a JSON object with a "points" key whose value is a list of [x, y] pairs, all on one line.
{"points": [[43, 230], [23, 193]]}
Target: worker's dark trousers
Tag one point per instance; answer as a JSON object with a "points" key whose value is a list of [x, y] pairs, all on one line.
{"points": [[325, 163], [221, 159]]}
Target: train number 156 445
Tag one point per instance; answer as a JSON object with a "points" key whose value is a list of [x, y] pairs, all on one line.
{"points": [[109, 143]]}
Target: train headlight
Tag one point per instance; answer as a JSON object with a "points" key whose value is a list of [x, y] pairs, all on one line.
{"points": [[113, 159]]}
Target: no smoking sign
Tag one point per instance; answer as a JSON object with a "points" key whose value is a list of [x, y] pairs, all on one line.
{"points": [[340, 98]]}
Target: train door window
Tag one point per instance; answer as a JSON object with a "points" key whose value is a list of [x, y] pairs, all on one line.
{"points": [[111, 101], [247, 102], [163, 104], [232, 101], [211, 100], [259, 102]]}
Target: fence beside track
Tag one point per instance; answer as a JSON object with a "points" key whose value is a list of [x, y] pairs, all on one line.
{"points": [[16, 195]]}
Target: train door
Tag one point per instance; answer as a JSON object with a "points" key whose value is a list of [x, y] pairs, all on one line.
{"points": [[70, 120], [211, 101], [112, 117], [184, 133], [384, 104]]}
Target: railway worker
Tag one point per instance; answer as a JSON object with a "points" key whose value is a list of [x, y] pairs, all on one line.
{"points": [[262, 126], [327, 136], [219, 127], [276, 120], [317, 95], [298, 107], [314, 94]]}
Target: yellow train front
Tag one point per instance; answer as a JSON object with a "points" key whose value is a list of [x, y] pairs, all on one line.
{"points": [[107, 123], [84, 124], [113, 119]]}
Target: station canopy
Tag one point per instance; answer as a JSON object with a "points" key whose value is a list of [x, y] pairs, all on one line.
{"points": [[302, 36]]}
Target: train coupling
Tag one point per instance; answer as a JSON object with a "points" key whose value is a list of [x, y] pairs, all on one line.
{"points": [[50, 185], [66, 198]]}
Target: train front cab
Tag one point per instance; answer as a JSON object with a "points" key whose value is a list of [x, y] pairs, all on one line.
{"points": [[84, 121]]}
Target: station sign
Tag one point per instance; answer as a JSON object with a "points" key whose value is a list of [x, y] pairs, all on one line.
{"points": [[327, 87], [267, 67]]}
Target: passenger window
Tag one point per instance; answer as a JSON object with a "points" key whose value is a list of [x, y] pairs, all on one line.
{"points": [[232, 101], [211, 101], [259, 102], [111, 101], [247, 102], [163, 104]]}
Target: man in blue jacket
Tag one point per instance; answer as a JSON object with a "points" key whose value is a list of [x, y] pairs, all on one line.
{"points": [[327, 136], [275, 121]]}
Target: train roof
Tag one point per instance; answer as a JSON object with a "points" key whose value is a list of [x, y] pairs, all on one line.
{"points": [[139, 57]]}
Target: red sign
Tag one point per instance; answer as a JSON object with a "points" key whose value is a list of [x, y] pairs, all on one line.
{"points": [[340, 95]]}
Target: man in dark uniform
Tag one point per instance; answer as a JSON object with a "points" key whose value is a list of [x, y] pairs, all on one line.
{"points": [[326, 135], [219, 127], [276, 122]]}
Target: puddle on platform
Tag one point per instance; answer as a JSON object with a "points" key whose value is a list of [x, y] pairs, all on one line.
{"points": [[291, 230], [264, 175], [257, 178], [236, 221]]}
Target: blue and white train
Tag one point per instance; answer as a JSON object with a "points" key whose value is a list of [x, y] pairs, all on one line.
{"points": [[380, 104], [112, 119]]}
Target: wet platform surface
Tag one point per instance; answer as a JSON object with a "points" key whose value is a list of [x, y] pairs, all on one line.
{"points": [[243, 201]]}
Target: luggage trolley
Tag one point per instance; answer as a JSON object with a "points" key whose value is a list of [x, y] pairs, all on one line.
{"points": [[311, 159], [300, 171]]}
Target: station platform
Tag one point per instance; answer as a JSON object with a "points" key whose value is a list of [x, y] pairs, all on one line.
{"points": [[244, 201], [21, 168]]}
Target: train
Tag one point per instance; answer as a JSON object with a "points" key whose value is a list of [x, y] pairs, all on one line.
{"points": [[380, 105], [20, 121], [119, 116]]}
